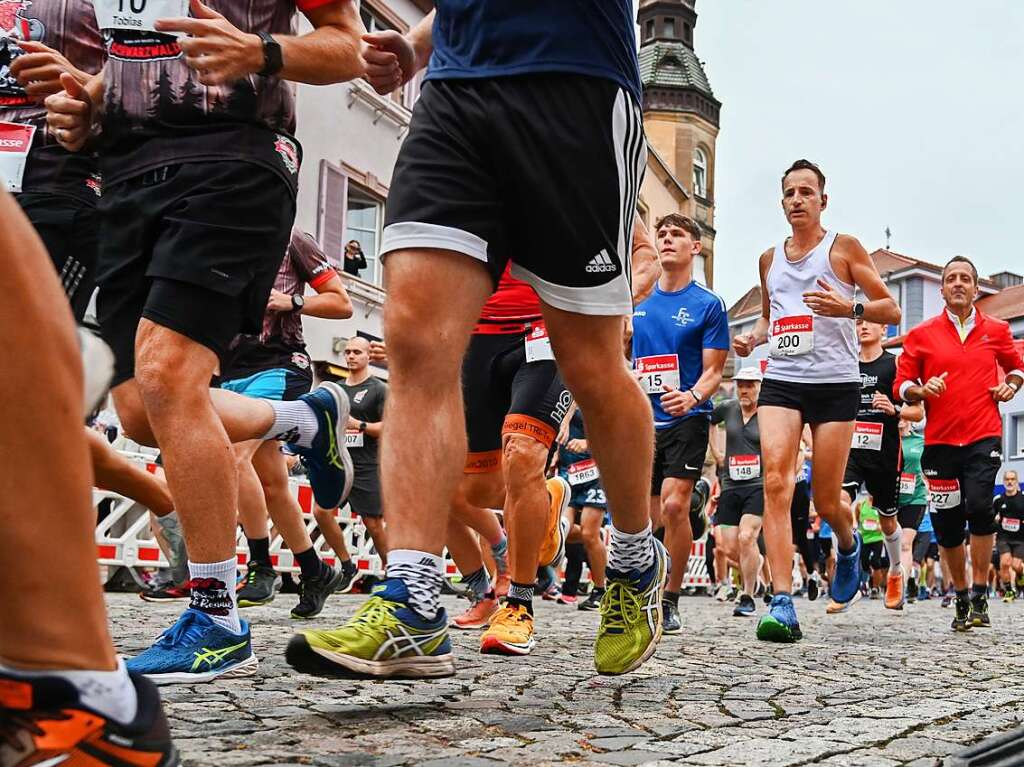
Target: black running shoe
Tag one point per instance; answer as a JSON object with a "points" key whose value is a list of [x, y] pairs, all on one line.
{"points": [[593, 600], [962, 619], [260, 585], [912, 589], [670, 623], [812, 587], [348, 577], [313, 592], [979, 612], [769, 594], [745, 606]]}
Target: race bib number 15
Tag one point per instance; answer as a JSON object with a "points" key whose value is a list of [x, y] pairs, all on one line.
{"points": [[658, 371], [791, 336], [138, 15]]}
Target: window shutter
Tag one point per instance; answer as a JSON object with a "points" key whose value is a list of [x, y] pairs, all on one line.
{"points": [[331, 219]]}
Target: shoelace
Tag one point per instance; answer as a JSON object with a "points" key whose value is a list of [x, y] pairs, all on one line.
{"points": [[376, 613], [184, 629], [620, 606], [14, 722]]}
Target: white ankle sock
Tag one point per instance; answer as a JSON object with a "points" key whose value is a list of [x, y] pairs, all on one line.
{"points": [[217, 597], [893, 544], [294, 422], [110, 693], [631, 551]]}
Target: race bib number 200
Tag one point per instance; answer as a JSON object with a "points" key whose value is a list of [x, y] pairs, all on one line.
{"points": [[944, 493], [791, 336], [138, 15], [658, 371]]}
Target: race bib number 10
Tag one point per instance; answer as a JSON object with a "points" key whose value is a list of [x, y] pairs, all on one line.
{"points": [[944, 493], [657, 372], [15, 143], [792, 336], [139, 15]]}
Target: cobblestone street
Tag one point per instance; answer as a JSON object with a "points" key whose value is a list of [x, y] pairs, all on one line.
{"points": [[864, 688]]}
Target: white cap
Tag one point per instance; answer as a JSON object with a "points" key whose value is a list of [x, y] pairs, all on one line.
{"points": [[748, 374]]}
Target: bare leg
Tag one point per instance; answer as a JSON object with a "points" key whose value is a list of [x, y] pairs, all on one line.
{"points": [[464, 547], [750, 557], [779, 457], [375, 527], [114, 472], [981, 556], [331, 531], [675, 511], [597, 554], [954, 567], [252, 504], [827, 469], [907, 549], [272, 470], [526, 504]]}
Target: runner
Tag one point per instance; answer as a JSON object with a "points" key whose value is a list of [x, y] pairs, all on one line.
{"points": [[275, 365], [952, 364], [680, 342], [875, 460], [194, 144], [741, 504], [874, 557], [926, 556], [808, 311], [800, 520], [913, 500], [1010, 538], [65, 698]]}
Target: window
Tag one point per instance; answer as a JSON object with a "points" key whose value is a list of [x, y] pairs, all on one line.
{"points": [[649, 29], [688, 33], [372, 20], [700, 173], [376, 22], [698, 269], [668, 28], [363, 214]]}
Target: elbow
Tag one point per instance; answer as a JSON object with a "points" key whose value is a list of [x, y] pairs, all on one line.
{"points": [[344, 308], [894, 313]]}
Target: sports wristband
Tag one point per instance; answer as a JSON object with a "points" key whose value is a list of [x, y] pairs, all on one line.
{"points": [[696, 395]]}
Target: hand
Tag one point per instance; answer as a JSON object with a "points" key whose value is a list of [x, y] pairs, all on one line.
{"points": [[219, 51], [39, 69], [353, 424], [676, 402], [563, 432], [935, 387], [827, 302], [69, 114], [390, 60], [577, 445], [883, 403], [1002, 393], [743, 344], [279, 302], [378, 351]]}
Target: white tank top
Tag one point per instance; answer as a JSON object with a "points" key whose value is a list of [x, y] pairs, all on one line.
{"points": [[804, 347]]}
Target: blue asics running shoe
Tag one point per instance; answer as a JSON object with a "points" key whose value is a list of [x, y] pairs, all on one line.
{"points": [[327, 460], [846, 582], [780, 624], [195, 649]]}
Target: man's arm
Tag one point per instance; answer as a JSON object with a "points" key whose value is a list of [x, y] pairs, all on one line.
{"points": [[828, 302], [645, 265], [373, 428], [221, 53], [393, 59], [678, 401], [331, 301], [1009, 360], [745, 343], [909, 371]]}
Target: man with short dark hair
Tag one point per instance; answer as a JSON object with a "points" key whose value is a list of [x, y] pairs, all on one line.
{"points": [[952, 364]]}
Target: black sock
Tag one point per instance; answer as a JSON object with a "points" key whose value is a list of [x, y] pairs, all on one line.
{"points": [[599, 590], [965, 594], [309, 563], [672, 597], [259, 550], [979, 591]]}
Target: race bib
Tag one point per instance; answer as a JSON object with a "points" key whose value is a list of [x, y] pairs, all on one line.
{"points": [[743, 467], [908, 483], [658, 371], [791, 336], [944, 493], [15, 142], [538, 345], [869, 524], [137, 15], [582, 472], [867, 436], [1010, 525], [354, 439]]}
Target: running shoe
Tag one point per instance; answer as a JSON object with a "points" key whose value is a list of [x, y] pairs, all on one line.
{"points": [[553, 548], [385, 638], [722, 595], [550, 593], [328, 463], [670, 622], [894, 590], [1009, 596], [313, 592], [979, 612], [912, 589], [349, 571], [593, 600], [477, 615], [97, 371], [769, 594], [260, 585], [510, 632], [165, 591], [195, 649], [962, 617], [631, 617], [846, 581], [874, 593], [566, 599], [813, 587], [43, 722], [501, 584], [745, 606], [835, 607], [947, 599], [780, 624]]}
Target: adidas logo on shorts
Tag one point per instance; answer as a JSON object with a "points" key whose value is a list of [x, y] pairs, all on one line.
{"points": [[602, 262]]}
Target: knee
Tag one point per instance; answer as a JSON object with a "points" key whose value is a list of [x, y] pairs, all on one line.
{"points": [[413, 343], [161, 373], [591, 536], [322, 516], [523, 459], [777, 482], [981, 518], [135, 424], [747, 538], [949, 532]]}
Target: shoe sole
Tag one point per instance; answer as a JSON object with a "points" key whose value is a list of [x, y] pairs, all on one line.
{"points": [[771, 630], [243, 668], [560, 525], [254, 602], [157, 600], [739, 614], [844, 606], [306, 659], [344, 407], [671, 632], [492, 646]]}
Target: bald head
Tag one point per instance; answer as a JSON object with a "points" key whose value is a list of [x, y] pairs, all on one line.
{"points": [[357, 354]]}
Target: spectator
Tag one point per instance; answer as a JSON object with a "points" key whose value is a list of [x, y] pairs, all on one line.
{"points": [[355, 261]]}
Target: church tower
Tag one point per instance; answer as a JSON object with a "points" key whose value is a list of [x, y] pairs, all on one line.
{"points": [[681, 117]]}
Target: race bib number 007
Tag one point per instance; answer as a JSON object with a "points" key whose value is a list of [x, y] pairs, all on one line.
{"points": [[15, 143], [353, 439], [138, 15], [867, 436], [658, 371], [944, 493], [791, 336]]}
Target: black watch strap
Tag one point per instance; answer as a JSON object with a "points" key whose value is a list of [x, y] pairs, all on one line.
{"points": [[272, 60]]}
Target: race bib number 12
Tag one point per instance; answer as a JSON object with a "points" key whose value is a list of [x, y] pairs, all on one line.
{"points": [[791, 336], [657, 372], [15, 143], [944, 493], [867, 436], [138, 15]]}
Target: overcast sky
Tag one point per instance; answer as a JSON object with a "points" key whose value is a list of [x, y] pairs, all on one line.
{"points": [[913, 109]]}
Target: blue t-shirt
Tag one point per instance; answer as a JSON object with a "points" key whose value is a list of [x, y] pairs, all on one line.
{"points": [[495, 38], [825, 531], [926, 523], [681, 324]]}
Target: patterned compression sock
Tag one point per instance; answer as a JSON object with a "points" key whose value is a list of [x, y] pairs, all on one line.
{"points": [[420, 571], [892, 548], [478, 583], [521, 594], [499, 551], [631, 551]]}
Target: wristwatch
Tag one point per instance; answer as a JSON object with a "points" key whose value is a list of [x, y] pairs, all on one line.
{"points": [[297, 303], [858, 310], [273, 61], [362, 426], [696, 395]]}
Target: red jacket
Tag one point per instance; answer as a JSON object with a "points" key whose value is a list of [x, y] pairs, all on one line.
{"points": [[965, 412]]}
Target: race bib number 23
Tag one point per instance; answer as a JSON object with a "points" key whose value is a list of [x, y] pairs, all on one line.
{"points": [[138, 15]]}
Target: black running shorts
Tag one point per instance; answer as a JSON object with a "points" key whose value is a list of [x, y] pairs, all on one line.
{"points": [[879, 473], [540, 169], [194, 248], [911, 517], [737, 502], [817, 403], [961, 485], [365, 498], [505, 394], [679, 451]]}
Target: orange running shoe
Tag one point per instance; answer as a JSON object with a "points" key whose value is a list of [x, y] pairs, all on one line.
{"points": [[553, 548], [510, 632], [501, 584], [895, 590], [477, 616], [43, 722]]}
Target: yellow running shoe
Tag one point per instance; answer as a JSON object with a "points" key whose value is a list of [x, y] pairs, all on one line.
{"points": [[509, 633], [553, 548]]}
